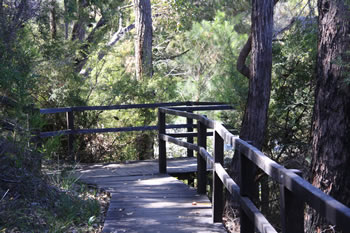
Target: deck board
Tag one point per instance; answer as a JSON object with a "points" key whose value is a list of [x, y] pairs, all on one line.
{"points": [[142, 200]]}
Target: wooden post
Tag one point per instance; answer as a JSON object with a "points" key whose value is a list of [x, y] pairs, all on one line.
{"points": [[201, 163], [218, 201], [247, 189], [162, 143], [70, 126], [292, 210], [189, 122]]}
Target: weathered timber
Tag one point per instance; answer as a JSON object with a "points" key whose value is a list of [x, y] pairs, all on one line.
{"points": [[161, 141], [207, 122], [294, 189], [247, 205], [150, 202], [201, 163], [108, 130], [204, 108], [70, 127], [218, 199], [124, 106], [247, 190], [187, 135], [180, 113], [292, 210], [189, 138], [207, 157], [334, 211], [178, 142]]}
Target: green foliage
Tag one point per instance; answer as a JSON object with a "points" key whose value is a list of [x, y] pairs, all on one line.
{"points": [[292, 95], [60, 212]]}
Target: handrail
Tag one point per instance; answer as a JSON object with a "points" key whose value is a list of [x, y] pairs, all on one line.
{"points": [[295, 191], [71, 130], [124, 106]]}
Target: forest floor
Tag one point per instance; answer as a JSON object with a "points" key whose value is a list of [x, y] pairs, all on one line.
{"points": [[53, 202]]}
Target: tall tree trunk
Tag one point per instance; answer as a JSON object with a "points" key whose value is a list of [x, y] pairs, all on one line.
{"points": [[331, 123], [66, 21], [78, 31], [255, 116], [143, 40], [53, 19]]}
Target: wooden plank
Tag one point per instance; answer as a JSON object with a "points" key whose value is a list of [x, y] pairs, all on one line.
{"points": [[204, 108], [218, 198], [187, 135], [201, 162], [161, 142], [292, 210], [111, 107], [246, 177], [157, 203], [189, 122], [255, 216], [266, 164], [248, 207], [335, 212], [178, 142], [124, 106], [109, 130], [207, 157], [180, 113], [70, 126]]}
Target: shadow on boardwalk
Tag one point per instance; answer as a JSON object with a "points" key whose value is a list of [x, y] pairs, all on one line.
{"points": [[145, 201]]}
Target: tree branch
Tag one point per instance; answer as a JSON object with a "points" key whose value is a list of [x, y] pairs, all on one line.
{"points": [[115, 38], [241, 66], [243, 55], [80, 62], [173, 56]]}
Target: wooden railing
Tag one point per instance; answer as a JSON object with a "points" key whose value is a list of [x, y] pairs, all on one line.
{"points": [[71, 130], [294, 190]]}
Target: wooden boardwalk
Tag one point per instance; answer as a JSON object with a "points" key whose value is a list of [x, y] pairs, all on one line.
{"points": [[145, 201]]}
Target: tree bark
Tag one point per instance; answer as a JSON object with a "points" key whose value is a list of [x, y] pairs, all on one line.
{"points": [[85, 48], [53, 19], [143, 40], [331, 122], [255, 116], [78, 31], [243, 55]]}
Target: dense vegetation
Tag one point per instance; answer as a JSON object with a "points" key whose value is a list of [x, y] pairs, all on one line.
{"points": [[57, 53]]}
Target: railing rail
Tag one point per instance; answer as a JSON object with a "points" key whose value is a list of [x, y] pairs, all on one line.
{"points": [[71, 129], [294, 190]]}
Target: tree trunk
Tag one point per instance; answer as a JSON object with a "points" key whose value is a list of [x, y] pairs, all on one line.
{"points": [[331, 123], [66, 22], [53, 19], [143, 40], [255, 116], [78, 31]]}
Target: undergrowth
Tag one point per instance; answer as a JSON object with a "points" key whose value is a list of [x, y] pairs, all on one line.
{"points": [[55, 202]]}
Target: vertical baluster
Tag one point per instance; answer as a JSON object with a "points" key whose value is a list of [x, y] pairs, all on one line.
{"points": [[162, 143], [189, 122], [218, 202], [292, 210], [246, 189], [70, 126], [201, 163]]}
